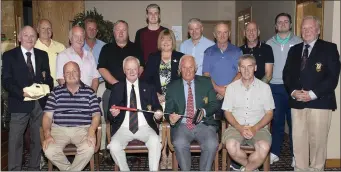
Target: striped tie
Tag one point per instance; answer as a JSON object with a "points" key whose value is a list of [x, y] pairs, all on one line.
{"points": [[133, 120], [190, 108]]}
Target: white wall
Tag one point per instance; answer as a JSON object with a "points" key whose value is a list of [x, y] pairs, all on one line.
{"points": [[134, 12], [209, 10]]}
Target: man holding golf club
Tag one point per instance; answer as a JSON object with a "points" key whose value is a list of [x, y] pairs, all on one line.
{"points": [[130, 123], [187, 98]]}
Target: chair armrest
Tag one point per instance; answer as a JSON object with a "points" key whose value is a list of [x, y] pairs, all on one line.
{"points": [[99, 138]]}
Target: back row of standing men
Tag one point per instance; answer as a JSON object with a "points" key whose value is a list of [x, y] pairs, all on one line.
{"points": [[101, 67]]}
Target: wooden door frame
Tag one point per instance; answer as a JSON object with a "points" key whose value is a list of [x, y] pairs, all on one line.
{"points": [[297, 2], [237, 15]]}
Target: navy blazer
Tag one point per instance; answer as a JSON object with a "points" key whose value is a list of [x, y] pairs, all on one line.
{"points": [[321, 74], [15, 77], [118, 97], [152, 71]]}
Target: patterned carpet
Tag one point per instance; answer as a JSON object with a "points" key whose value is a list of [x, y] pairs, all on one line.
{"points": [[139, 162]]}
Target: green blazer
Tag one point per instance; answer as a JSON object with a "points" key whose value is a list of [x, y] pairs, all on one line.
{"points": [[205, 97]]}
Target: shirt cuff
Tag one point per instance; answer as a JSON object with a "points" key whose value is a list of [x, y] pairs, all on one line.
{"points": [[292, 95], [204, 112], [312, 95]]}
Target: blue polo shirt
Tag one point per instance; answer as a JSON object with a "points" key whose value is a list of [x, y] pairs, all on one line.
{"points": [[222, 65], [197, 51]]}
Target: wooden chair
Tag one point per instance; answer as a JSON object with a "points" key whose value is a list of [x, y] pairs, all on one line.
{"points": [[227, 159], [195, 148], [136, 146], [71, 149]]}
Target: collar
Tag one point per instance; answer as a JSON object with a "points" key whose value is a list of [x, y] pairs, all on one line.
{"points": [[82, 85], [259, 44], [25, 51], [253, 84], [136, 83], [311, 44], [127, 45], [229, 45], [185, 82], [201, 38], [280, 40], [41, 43]]}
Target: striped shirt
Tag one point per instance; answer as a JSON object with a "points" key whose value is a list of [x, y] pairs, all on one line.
{"points": [[72, 110]]}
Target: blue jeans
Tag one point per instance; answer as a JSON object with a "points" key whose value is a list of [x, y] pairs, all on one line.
{"points": [[281, 113]]}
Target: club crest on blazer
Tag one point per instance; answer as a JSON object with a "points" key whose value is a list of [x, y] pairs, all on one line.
{"points": [[149, 107], [205, 99], [318, 67]]}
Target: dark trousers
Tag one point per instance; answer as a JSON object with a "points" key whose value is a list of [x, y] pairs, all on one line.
{"points": [[18, 126], [281, 113]]}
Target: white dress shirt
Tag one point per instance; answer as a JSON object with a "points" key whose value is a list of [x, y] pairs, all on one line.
{"points": [[33, 59], [141, 119]]}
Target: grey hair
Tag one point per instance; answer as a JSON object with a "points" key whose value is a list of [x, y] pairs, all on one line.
{"points": [[180, 61], [130, 58], [247, 57], [316, 19], [194, 20], [23, 28], [71, 31]]}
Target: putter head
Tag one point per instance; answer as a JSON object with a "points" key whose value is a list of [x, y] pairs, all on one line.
{"points": [[196, 116]]}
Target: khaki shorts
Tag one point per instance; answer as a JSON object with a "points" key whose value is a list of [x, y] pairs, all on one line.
{"points": [[233, 133]]}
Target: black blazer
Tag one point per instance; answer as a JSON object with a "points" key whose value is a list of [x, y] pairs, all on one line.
{"points": [[15, 77], [118, 97], [321, 74], [152, 71]]}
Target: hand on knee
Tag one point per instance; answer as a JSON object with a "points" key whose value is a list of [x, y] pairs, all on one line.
{"points": [[232, 146]]}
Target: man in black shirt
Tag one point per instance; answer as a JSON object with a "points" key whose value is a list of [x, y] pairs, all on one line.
{"points": [[261, 51], [110, 62]]}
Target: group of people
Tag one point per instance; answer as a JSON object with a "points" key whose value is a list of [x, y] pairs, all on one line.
{"points": [[252, 86]]}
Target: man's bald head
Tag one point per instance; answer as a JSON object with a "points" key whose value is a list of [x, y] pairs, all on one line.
{"points": [[72, 73], [27, 37], [44, 29]]}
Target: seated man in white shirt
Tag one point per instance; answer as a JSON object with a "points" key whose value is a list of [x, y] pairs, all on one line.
{"points": [[248, 106], [129, 125]]}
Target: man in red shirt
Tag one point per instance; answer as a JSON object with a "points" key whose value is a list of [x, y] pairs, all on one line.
{"points": [[146, 38]]}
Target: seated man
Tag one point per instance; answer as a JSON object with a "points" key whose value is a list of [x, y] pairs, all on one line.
{"points": [[248, 106], [132, 125], [183, 97], [72, 115]]}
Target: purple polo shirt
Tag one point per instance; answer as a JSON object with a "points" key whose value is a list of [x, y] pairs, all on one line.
{"points": [[222, 66]]}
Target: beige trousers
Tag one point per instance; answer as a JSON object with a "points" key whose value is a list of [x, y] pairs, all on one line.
{"points": [[145, 134], [310, 128], [64, 136]]}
